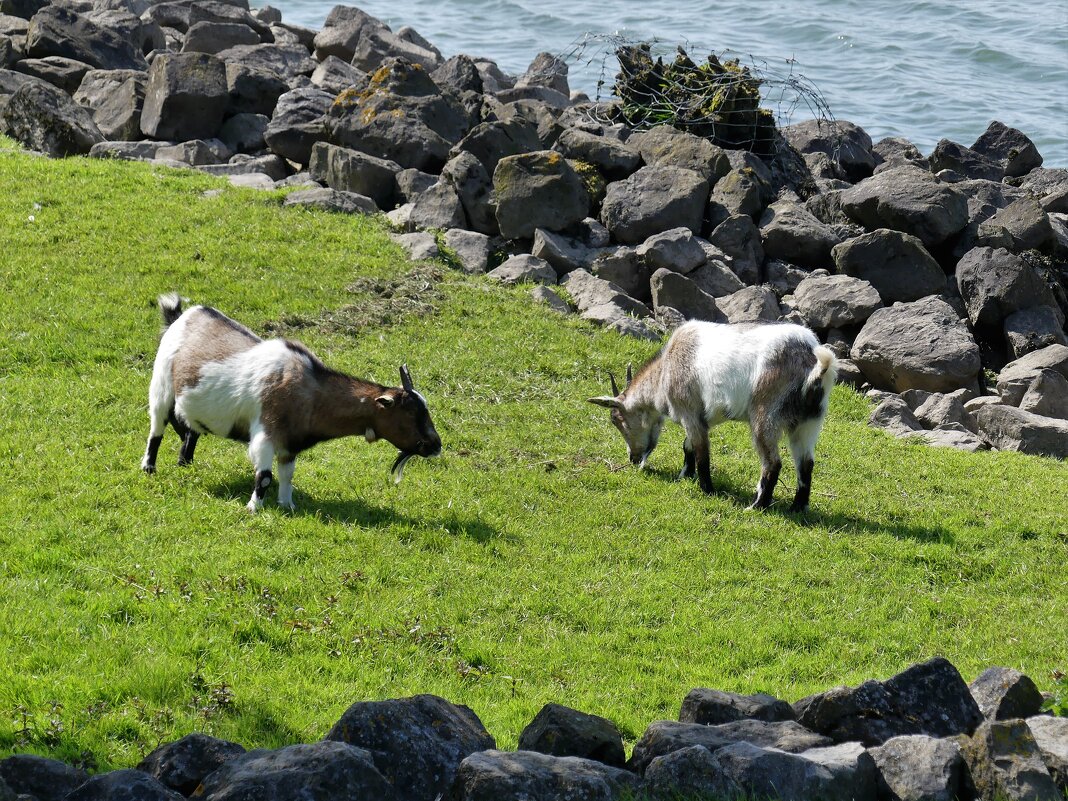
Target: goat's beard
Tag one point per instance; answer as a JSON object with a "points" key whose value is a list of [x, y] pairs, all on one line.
{"points": [[397, 471]]}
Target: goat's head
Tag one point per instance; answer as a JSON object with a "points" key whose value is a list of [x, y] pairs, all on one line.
{"points": [[639, 425], [403, 420]]}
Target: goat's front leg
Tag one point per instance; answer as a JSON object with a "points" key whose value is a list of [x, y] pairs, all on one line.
{"points": [[189, 444], [285, 482], [261, 452]]}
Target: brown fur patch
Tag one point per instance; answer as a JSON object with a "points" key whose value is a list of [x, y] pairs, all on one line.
{"points": [[210, 336]]}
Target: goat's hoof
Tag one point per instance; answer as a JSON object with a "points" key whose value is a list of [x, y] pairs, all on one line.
{"points": [[289, 507], [148, 468], [757, 506], [254, 506]]}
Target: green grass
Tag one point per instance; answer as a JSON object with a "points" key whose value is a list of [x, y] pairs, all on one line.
{"points": [[529, 564]]}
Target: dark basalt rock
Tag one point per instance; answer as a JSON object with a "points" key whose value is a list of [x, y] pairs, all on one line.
{"points": [[183, 764], [560, 731]]}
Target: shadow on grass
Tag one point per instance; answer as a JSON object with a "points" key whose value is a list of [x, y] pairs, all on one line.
{"points": [[357, 511], [814, 515]]}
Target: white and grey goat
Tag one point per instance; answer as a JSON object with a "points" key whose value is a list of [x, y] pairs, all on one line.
{"points": [[214, 376], [777, 377]]}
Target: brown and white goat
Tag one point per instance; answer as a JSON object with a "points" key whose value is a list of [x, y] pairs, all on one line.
{"points": [[777, 377], [214, 376]]}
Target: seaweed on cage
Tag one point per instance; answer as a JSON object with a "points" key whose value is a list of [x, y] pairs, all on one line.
{"points": [[734, 104]]}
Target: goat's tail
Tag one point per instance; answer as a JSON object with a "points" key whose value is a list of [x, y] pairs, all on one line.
{"points": [[170, 306], [825, 370]]}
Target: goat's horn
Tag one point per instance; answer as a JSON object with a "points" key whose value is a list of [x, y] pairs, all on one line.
{"points": [[612, 378], [630, 375], [406, 379]]}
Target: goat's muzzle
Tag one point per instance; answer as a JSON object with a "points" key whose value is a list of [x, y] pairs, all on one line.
{"points": [[426, 448]]}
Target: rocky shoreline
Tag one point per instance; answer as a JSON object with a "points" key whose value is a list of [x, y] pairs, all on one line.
{"points": [[922, 735], [926, 274]]}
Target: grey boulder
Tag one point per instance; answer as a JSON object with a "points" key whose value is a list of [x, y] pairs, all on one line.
{"points": [[1011, 429], [919, 345], [916, 767], [711, 707], [674, 290], [353, 171], [123, 785], [752, 304], [1005, 763], [335, 200], [652, 200], [790, 231], [844, 143], [1032, 329], [185, 98], [910, 200], [298, 123], [834, 301], [995, 283], [537, 190], [895, 263], [666, 145], [496, 775], [561, 731], [58, 30], [43, 117], [676, 249], [1004, 693]]}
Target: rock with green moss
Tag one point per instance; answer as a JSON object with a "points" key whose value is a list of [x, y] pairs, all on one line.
{"points": [[537, 190], [667, 145], [44, 118], [1005, 762], [612, 158]]}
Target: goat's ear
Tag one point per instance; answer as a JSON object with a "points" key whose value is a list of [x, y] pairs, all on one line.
{"points": [[605, 400], [406, 379], [385, 401]]}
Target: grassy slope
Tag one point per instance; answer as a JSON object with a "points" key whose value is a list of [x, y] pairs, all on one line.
{"points": [[529, 564]]}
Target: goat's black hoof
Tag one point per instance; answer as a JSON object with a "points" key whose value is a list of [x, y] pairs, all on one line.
{"points": [[185, 462], [796, 509]]}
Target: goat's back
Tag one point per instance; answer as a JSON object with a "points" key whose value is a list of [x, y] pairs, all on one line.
{"points": [[728, 363], [202, 336]]}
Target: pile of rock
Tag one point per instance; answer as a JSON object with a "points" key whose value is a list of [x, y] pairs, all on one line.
{"points": [[922, 734], [919, 271]]}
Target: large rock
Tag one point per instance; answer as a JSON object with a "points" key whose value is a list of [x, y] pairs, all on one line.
{"points": [[402, 116], [123, 785], [1051, 737], [927, 698], [613, 158], [1016, 377], [691, 772], [920, 345], [323, 771], [1012, 150], [341, 32], [57, 30], [115, 98], [548, 71], [910, 200], [493, 140], [674, 290], [243, 133], [712, 707], [499, 775], [896, 264], [666, 145], [537, 190], [472, 249], [1003, 694], [995, 283], [652, 200], [915, 767], [739, 239], [335, 76], [741, 191], [438, 208], [1032, 329], [63, 73], [665, 736], [1005, 763], [214, 37], [290, 62], [472, 184], [1022, 225], [46, 779], [789, 231], [835, 301], [378, 45], [182, 765], [560, 731], [352, 171], [676, 249], [894, 416], [621, 265], [1011, 429], [185, 98], [565, 253], [332, 200], [44, 118], [253, 91], [417, 743], [590, 293], [298, 124], [752, 304], [523, 268], [1047, 395], [844, 143], [950, 155]]}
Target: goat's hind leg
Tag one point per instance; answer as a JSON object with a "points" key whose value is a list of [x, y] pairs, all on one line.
{"points": [[803, 450], [766, 442], [285, 482]]}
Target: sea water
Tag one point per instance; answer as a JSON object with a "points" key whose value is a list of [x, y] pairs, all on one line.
{"points": [[919, 69]]}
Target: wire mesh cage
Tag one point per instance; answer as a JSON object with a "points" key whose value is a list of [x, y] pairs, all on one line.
{"points": [[736, 100]]}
